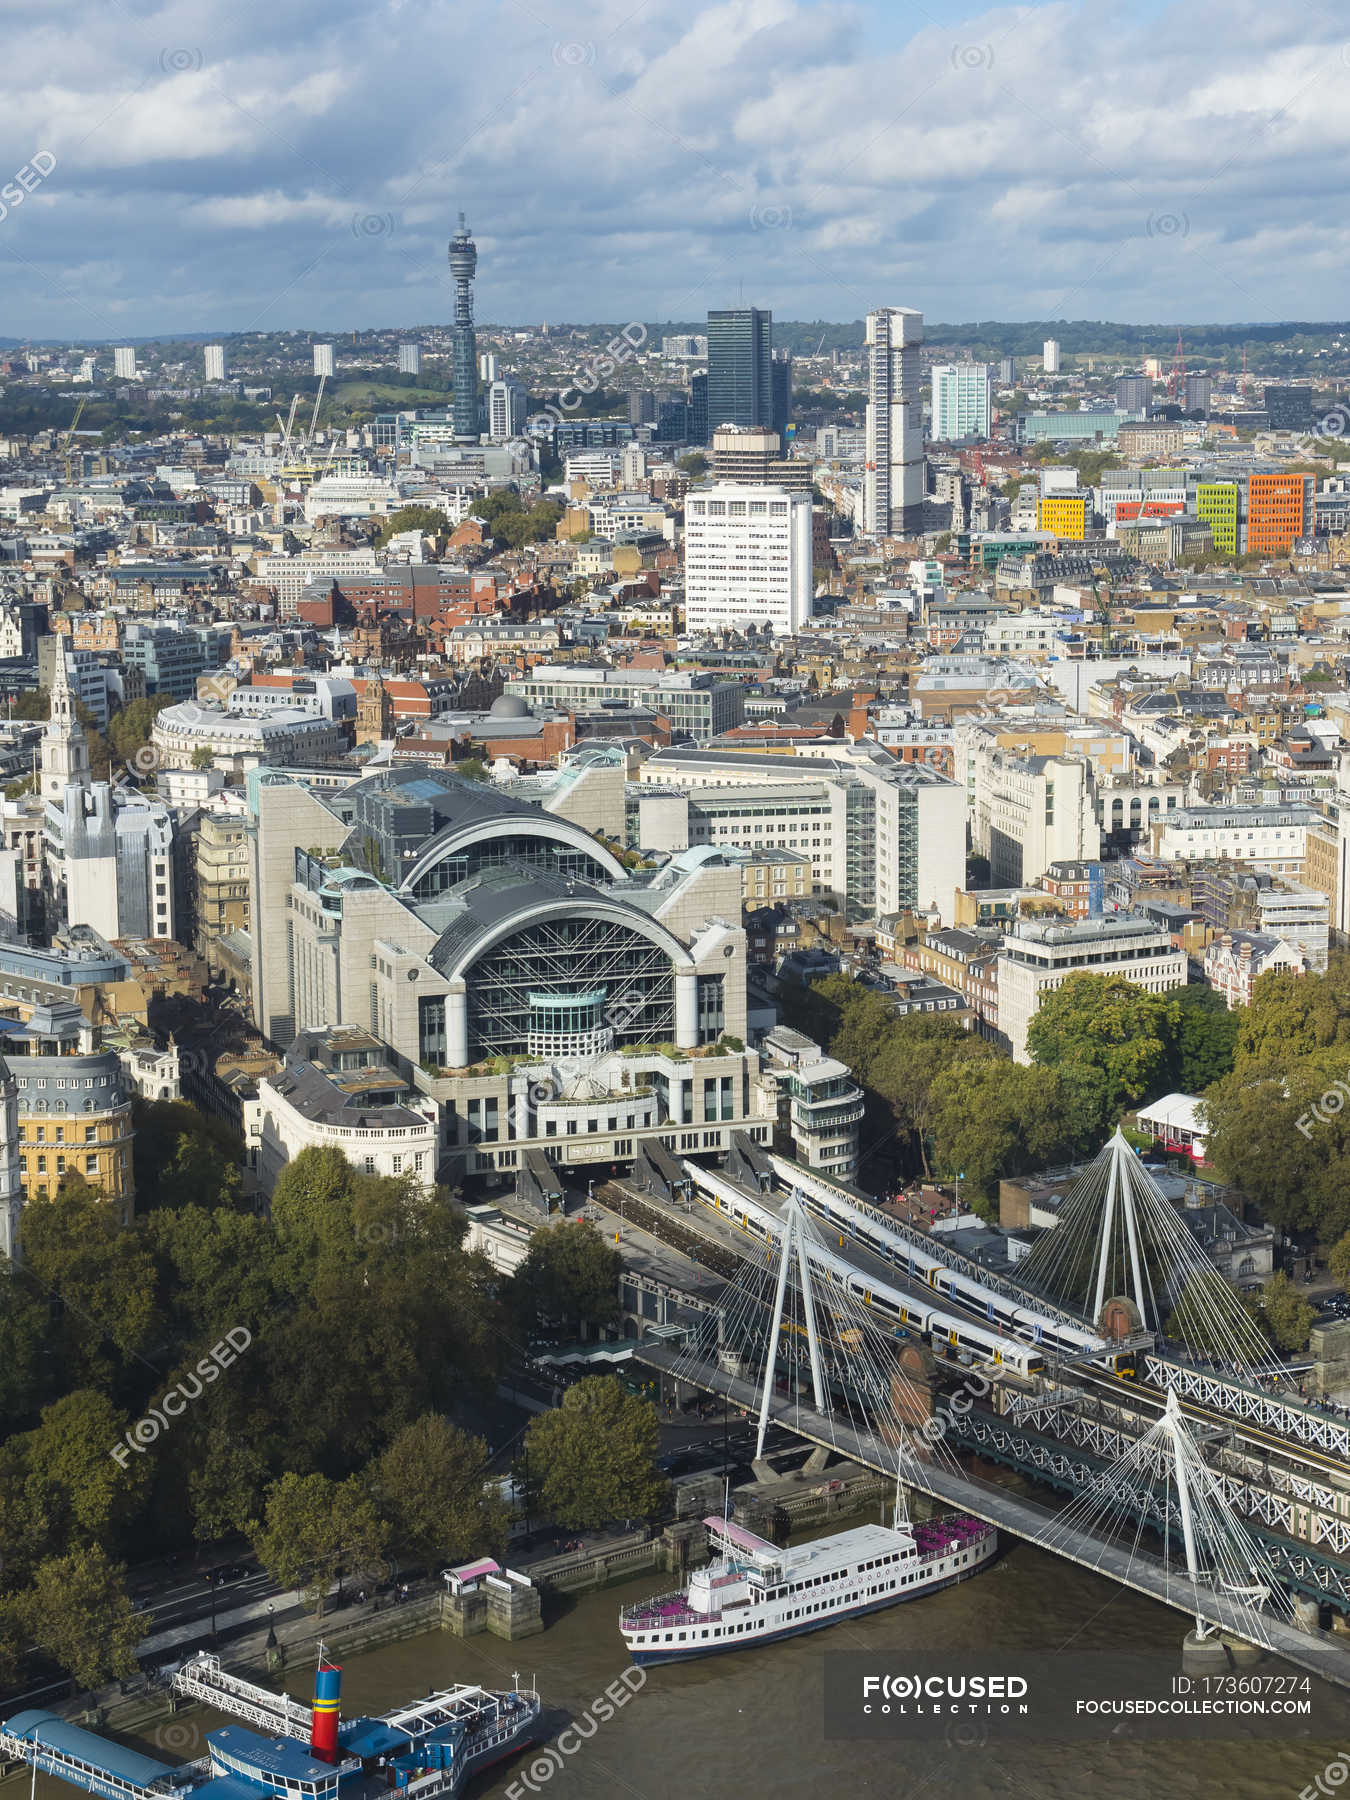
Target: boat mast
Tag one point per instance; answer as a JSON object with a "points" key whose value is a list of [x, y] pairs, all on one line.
{"points": [[901, 1513]]}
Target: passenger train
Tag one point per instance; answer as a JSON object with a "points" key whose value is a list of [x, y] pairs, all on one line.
{"points": [[1013, 1334], [909, 1251]]}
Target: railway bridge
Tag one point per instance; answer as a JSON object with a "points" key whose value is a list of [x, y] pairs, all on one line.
{"points": [[1057, 1402]]}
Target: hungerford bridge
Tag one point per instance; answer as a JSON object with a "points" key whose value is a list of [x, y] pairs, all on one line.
{"points": [[1203, 1484]]}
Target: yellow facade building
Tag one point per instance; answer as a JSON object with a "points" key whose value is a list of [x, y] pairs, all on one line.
{"points": [[74, 1105], [1064, 514]]}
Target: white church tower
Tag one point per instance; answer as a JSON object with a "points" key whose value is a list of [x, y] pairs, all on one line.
{"points": [[65, 748], [11, 1170]]}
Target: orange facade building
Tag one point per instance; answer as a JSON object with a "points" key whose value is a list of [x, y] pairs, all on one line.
{"points": [[1277, 511]]}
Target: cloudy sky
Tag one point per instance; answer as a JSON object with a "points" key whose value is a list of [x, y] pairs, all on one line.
{"points": [[222, 165]]}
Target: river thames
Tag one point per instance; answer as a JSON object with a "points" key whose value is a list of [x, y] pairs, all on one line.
{"points": [[751, 1722]]}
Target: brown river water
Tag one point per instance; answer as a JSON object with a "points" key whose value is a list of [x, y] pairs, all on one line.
{"points": [[750, 1723]]}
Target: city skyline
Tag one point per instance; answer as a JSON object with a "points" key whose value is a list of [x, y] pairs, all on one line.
{"points": [[750, 155]]}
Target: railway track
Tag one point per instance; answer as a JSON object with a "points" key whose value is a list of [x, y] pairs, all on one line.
{"points": [[699, 1245]]}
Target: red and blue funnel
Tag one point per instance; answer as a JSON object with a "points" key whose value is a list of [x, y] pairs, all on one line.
{"points": [[323, 1737]]}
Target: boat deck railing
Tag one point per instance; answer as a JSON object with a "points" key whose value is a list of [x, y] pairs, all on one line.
{"points": [[938, 1537]]}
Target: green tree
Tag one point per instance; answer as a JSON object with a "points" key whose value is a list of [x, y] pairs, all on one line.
{"points": [[431, 1484], [77, 1610], [1286, 1315], [569, 1274], [11, 1642], [87, 1494], [389, 1318], [1279, 1125], [1107, 1024], [1203, 1317], [217, 1269], [694, 463], [184, 1157], [130, 726], [866, 1020], [1269, 1134], [315, 1530], [593, 1459], [23, 1323], [76, 1248], [1292, 1016], [906, 1064], [60, 1485], [25, 1535], [429, 520], [992, 1119], [1338, 1260], [226, 1477], [203, 757], [1204, 1040]]}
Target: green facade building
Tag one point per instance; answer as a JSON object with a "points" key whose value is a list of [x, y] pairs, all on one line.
{"points": [[1216, 503]]}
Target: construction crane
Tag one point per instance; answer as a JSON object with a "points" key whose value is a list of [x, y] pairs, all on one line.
{"points": [[1102, 605], [70, 431], [314, 416], [297, 452], [63, 448], [286, 428]]}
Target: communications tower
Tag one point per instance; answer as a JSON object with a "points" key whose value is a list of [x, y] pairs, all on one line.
{"points": [[463, 266]]}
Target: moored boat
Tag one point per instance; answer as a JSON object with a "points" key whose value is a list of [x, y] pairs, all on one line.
{"points": [[752, 1592]]}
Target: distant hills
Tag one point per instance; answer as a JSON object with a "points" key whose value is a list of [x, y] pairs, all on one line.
{"points": [[1077, 337]]}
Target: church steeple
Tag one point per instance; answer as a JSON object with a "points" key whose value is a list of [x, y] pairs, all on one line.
{"points": [[65, 748]]}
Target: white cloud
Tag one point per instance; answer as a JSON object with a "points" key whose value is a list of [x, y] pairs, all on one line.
{"points": [[650, 161]]}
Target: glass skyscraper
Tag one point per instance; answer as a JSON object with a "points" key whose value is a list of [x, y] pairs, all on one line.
{"points": [[962, 401], [699, 432], [740, 362], [780, 374]]}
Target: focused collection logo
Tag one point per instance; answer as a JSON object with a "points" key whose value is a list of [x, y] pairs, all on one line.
{"points": [[986, 1696]]}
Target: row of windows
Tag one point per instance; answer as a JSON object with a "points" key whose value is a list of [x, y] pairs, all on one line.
{"points": [[719, 509], [740, 1627], [90, 1165], [56, 1081]]}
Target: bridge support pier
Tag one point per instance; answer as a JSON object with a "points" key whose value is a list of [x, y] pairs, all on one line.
{"points": [[1242, 1654], [1204, 1655], [1307, 1613]]}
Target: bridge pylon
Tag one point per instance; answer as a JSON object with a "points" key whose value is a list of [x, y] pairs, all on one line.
{"points": [[1123, 1257]]}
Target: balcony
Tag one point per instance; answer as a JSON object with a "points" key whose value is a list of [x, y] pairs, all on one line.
{"points": [[814, 1123]]}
